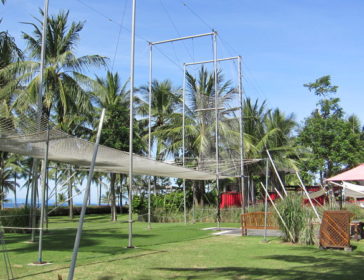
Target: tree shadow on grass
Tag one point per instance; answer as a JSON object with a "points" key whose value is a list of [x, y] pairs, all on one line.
{"points": [[152, 252], [314, 268], [97, 241]]}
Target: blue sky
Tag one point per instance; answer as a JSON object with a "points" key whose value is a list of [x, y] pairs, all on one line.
{"points": [[284, 43]]}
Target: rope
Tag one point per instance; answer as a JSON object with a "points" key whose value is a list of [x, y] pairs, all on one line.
{"points": [[196, 15], [175, 28], [118, 38]]}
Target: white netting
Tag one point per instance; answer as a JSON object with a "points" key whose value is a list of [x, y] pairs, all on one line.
{"points": [[22, 135]]}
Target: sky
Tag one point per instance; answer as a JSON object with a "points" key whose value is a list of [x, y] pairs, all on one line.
{"points": [[283, 43]]}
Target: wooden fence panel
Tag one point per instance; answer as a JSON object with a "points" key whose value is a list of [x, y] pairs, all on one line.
{"points": [[255, 220], [335, 229]]}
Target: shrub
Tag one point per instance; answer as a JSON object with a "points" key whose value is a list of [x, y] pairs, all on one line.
{"points": [[294, 215], [104, 209], [355, 210], [17, 217]]}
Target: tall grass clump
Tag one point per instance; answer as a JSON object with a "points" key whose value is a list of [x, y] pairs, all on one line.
{"points": [[296, 217], [356, 210]]}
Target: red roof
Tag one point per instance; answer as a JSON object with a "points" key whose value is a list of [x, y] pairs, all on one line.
{"points": [[354, 174]]}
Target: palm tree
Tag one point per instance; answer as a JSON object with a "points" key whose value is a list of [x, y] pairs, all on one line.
{"points": [[164, 103], [7, 183], [199, 124], [109, 93], [63, 94]]}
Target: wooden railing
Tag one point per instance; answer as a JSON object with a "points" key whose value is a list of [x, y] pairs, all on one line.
{"points": [[255, 220]]}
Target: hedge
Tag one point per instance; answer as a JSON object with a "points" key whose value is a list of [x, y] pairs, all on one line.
{"points": [[20, 217], [104, 209]]}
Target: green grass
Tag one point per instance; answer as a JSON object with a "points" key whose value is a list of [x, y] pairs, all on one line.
{"points": [[175, 251]]}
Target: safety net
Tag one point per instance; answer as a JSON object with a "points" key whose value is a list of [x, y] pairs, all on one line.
{"points": [[25, 135]]}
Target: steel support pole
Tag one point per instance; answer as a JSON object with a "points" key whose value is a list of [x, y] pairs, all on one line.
{"points": [[150, 125], [266, 199], [132, 61], [183, 140], [39, 100], [42, 210], [308, 196], [240, 89], [85, 199], [42, 60], [216, 129]]}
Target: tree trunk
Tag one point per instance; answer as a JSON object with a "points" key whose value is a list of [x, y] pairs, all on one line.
{"points": [[121, 193], [100, 194], [113, 197], [70, 199], [2, 196], [16, 206], [27, 195], [194, 193], [55, 188]]}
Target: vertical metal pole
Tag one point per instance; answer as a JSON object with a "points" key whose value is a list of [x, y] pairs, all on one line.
{"points": [[266, 199], [39, 100], [183, 141], [42, 60], [150, 125], [240, 89], [216, 130], [42, 211], [132, 60], [85, 199]]}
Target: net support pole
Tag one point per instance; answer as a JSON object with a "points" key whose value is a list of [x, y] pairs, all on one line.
{"points": [[279, 194], [276, 171], [279, 214], [131, 116], [308, 196], [183, 140], [85, 199], [266, 199], [242, 181], [39, 103], [43, 188], [150, 125], [216, 128]]}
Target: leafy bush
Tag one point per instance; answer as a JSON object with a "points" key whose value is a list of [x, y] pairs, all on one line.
{"points": [[17, 217], [104, 209], [206, 214]]}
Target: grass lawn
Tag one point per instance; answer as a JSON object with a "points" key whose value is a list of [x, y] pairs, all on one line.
{"points": [[174, 251]]}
